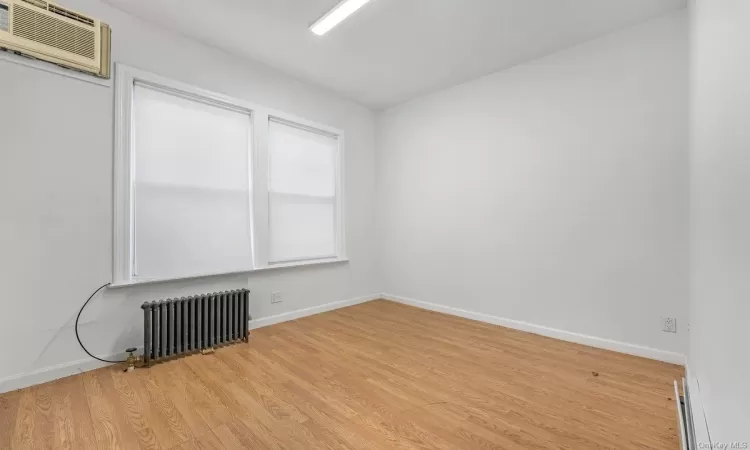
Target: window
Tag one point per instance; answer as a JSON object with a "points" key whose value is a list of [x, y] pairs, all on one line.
{"points": [[190, 186], [206, 184], [302, 193]]}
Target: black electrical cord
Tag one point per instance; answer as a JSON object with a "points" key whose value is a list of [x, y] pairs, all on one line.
{"points": [[76, 327]]}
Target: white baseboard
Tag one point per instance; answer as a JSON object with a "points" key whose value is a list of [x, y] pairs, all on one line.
{"points": [[47, 374], [700, 422], [578, 338], [299, 313]]}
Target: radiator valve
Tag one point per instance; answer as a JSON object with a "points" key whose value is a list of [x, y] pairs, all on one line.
{"points": [[132, 360]]}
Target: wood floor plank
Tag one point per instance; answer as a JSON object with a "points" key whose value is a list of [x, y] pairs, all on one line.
{"points": [[84, 437], [44, 423], [8, 410], [227, 439], [184, 402], [207, 441], [210, 408], [134, 410], [169, 425], [110, 428], [62, 413], [23, 431], [378, 375]]}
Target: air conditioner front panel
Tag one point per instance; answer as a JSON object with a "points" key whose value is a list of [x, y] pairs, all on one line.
{"points": [[53, 33]]}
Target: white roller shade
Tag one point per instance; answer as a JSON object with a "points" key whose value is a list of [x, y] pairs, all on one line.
{"points": [[302, 193], [191, 186]]}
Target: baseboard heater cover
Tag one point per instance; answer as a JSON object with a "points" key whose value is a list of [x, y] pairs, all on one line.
{"points": [[686, 428], [176, 327]]}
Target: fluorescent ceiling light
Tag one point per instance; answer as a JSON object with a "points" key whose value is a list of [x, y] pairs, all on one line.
{"points": [[337, 15]]}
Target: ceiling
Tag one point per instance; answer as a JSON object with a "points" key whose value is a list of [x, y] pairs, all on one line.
{"points": [[394, 50]]}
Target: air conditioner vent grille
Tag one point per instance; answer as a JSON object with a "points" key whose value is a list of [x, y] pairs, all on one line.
{"points": [[71, 15], [38, 3], [56, 33]]}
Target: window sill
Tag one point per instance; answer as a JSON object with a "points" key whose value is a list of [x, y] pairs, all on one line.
{"points": [[315, 262]]}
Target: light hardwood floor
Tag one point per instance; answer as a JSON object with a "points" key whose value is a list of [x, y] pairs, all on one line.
{"points": [[374, 376]]}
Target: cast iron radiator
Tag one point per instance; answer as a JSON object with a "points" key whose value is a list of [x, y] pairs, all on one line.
{"points": [[180, 326]]}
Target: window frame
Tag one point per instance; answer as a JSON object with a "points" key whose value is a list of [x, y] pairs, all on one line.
{"points": [[337, 194], [123, 215]]}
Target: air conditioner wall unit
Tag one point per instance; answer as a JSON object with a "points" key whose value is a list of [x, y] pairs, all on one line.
{"points": [[53, 33]]}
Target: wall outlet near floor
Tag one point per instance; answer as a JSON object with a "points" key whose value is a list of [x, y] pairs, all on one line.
{"points": [[276, 297], [669, 324]]}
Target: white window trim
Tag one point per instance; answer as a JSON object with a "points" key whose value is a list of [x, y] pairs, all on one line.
{"points": [[125, 79]]}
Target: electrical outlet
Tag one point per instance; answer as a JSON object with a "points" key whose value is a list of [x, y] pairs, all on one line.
{"points": [[669, 324], [276, 297]]}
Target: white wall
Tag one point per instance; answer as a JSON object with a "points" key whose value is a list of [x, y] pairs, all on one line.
{"points": [[553, 193], [56, 200], [720, 214]]}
